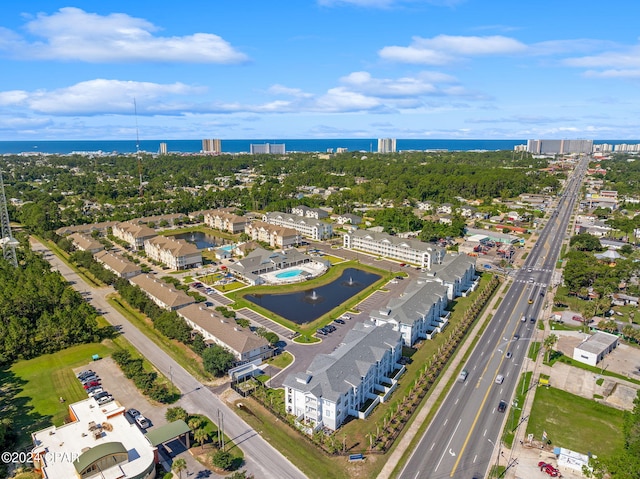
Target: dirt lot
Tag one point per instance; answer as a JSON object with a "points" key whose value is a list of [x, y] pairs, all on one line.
{"points": [[124, 391]]}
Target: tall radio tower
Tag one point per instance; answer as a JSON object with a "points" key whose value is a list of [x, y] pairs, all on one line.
{"points": [[8, 242]]}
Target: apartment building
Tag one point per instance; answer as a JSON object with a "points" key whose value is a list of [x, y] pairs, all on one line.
{"points": [[133, 233], [407, 250], [161, 293], [174, 253], [337, 385], [85, 242], [216, 329], [276, 236], [225, 221], [308, 227], [117, 264], [305, 211], [418, 314]]}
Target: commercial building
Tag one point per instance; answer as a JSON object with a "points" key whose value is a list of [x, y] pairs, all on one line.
{"points": [[386, 145], [267, 148], [402, 249], [559, 147], [213, 146], [260, 261], [174, 253], [98, 442], [309, 227], [216, 329], [595, 348], [362, 370]]}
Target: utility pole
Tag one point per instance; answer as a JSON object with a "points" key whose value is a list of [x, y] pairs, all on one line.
{"points": [[7, 240]]}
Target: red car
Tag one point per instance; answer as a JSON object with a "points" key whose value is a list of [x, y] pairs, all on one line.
{"points": [[92, 384], [549, 469]]}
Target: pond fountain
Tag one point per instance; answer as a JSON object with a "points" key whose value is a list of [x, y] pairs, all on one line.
{"points": [[305, 306]]}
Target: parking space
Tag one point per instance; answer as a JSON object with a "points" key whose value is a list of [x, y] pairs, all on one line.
{"points": [[261, 321], [124, 391]]}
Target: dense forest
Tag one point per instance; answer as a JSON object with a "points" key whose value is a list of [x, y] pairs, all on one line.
{"points": [[40, 312], [64, 190]]}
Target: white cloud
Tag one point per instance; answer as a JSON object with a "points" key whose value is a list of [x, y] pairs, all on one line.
{"points": [[283, 90], [341, 99], [73, 34], [95, 96], [392, 88], [623, 73], [444, 49]]}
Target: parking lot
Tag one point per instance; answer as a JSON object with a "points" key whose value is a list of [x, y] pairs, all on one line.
{"points": [[124, 391]]}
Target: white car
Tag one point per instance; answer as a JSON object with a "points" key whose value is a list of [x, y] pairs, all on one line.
{"points": [[142, 421], [499, 379], [95, 391]]}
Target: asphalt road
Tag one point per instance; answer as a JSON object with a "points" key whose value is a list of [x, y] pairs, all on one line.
{"points": [[462, 439], [262, 460]]}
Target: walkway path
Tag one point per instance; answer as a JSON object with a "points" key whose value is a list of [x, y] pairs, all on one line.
{"points": [[262, 460]]}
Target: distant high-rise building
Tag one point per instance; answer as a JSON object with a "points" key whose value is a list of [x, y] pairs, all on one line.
{"points": [[211, 146], [386, 145], [559, 147], [341, 150], [163, 149], [268, 148]]}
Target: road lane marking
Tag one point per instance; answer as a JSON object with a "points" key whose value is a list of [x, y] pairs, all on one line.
{"points": [[448, 444]]}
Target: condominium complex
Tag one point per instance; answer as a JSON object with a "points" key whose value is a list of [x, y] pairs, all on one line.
{"points": [[225, 221], [276, 236], [386, 145], [211, 146], [117, 264], [416, 252], [216, 329], [133, 233], [268, 148], [163, 149], [177, 254], [364, 368], [309, 227], [559, 147], [163, 294]]}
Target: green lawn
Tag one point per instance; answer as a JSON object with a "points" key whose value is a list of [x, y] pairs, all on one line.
{"points": [[31, 390], [576, 423], [281, 360]]}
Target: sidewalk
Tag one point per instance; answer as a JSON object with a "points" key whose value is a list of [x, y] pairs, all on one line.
{"points": [[437, 392]]}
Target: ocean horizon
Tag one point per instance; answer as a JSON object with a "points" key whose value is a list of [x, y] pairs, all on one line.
{"points": [[65, 147]]}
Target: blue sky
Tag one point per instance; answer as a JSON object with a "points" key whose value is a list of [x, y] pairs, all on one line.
{"points": [[230, 69]]}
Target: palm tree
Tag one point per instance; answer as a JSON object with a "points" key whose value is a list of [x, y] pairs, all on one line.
{"points": [[194, 423], [549, 342], [201, 435], [178, 466]]}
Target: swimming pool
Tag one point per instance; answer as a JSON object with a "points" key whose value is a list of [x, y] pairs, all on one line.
{"points": [[227, 247], [292, 273]]}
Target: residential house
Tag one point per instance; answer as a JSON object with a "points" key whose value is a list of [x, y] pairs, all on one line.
{"points": [[338, 385]]}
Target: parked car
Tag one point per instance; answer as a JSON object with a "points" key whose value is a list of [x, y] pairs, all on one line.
{"points": [[87, 379], [321, 331], [91, 384], [142, 421], [549, 469], [84, 374], [93, 391], [339, 321], [104, 400], [502, 406], [330, 327], [134, 413], [100, 395]]}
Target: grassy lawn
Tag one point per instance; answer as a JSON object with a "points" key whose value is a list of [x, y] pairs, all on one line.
{"points": [[515, 410], [331, 275], [31, 390], [281, 360], [534, 349], [576, 423], [229, 286]]}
